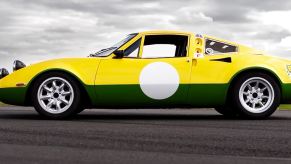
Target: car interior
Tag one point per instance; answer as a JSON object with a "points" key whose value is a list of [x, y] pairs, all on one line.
{"points": [[160, 46]]}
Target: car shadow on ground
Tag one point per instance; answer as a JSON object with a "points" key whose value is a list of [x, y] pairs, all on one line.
{"points": [[165, 117], [162, 116]]}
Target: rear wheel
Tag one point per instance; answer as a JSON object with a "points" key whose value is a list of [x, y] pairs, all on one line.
{"points": [[56, 96], [256, 95]]}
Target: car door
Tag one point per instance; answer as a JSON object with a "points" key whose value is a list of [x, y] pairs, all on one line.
{"points": [[211, 74], [155, 72]]}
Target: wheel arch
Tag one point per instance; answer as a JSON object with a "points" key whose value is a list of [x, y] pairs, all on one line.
{"points": [[252, 70], [72, 75]]}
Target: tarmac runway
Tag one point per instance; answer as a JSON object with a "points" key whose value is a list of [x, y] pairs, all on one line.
{"points": [[146, 136]]}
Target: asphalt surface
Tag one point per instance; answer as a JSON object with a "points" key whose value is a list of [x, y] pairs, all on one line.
{"points": [[143, 136]]}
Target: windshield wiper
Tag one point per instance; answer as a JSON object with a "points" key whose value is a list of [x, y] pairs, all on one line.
{"points": [[102, 51]]}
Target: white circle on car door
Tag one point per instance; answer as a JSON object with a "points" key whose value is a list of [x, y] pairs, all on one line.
{"points": [[159, 80]]}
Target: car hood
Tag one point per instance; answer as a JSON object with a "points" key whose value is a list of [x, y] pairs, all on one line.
{"points": [[83, 68]]}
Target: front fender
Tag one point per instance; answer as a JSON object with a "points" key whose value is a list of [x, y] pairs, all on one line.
{"points": [[11, 92]]}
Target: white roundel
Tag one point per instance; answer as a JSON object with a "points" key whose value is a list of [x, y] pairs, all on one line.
{"points": [[159, 80]]}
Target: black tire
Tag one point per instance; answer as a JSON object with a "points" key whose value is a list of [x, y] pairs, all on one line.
{"points": [[80, 110], [241, 107], [227, 111], [72, 110], [220, 110]]}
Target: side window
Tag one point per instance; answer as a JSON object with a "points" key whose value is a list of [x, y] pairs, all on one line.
{"points": [[165, 46], [215, 47], [132, 50], [159, 50]]}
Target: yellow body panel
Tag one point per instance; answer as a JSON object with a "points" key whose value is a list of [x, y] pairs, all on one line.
{"points": [[83, 68], [206, 71], [127, 70]]}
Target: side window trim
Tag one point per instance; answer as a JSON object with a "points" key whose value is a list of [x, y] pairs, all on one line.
{"points": [[143, 41], [138, 41]]}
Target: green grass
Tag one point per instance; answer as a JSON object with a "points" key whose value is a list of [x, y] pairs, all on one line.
{"points": [[285, 106], [2, 104]]}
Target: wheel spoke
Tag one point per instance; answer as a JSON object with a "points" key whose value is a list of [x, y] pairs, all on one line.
{"points": [[249, 87], [55, 84], [61, 88], [45, 97], [51, 102], [261, 104], [257, 85], [45, 87], [64, 101], [66, 93], [263, 89], [248, 100], [58, 105], [253, 105], [265, 97]]}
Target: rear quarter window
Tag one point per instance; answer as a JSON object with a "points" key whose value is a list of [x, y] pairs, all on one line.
{"points": [[213, 47]]}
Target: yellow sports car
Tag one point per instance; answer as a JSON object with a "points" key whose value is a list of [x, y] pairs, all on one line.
{"points": [[154, 69]]}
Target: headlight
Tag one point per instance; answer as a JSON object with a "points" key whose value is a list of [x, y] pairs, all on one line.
{"points": [[3, 73], [18, 65]]}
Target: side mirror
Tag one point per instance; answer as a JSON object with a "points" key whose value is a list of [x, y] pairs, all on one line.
{"points": [[119, 54], [18, 65], [3, 73]]}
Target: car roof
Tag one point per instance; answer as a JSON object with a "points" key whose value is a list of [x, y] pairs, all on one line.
{"points": [[166, 32], [185, 33]]}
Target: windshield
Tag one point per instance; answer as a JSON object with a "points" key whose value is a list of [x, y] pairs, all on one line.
{"points": [[110, 50]]}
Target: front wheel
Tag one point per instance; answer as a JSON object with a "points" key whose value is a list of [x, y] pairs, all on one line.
{"points": [[256, 95], [56, 96]]}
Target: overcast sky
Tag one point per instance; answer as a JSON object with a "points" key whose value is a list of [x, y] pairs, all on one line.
{"points": [[36, 30]]}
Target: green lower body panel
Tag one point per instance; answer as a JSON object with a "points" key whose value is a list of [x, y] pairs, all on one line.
{"points": [[207, 95], [132, 96], [13, 96], [194, 95], [126, 96]]}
